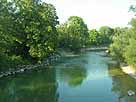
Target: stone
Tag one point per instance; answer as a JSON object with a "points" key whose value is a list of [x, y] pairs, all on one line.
{"points": [[131, 93], [22, 70], [107, 51]]}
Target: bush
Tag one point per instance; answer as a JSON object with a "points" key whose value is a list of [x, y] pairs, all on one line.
{"points": [[130, 53]]}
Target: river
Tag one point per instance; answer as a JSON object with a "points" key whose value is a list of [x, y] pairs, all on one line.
{"points": [[89, 77]]}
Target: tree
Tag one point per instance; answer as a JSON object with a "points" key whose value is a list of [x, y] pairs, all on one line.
{"points": [[31, 25], [130, 53], [77, 26], [73, 34], [5, 25], [106, 33], [64, 39], [95, 37], [120, 41], [123, 46]]}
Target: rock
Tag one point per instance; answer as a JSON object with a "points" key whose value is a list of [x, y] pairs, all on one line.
{"points": [[22, 70], [13, 73], [131, 93], [107, 51]]}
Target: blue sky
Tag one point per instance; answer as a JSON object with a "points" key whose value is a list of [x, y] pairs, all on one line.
{"points": [[96, 13]]}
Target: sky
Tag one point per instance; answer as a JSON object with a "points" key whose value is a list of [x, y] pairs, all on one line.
{"points": [[95, 13]]}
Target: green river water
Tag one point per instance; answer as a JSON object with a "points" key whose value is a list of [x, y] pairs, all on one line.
{"points": [[89, 77]]}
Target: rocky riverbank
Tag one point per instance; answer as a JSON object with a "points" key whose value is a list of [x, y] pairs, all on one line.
{"points": [[23, 68]]}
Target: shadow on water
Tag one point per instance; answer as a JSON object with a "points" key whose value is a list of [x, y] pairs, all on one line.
{"points": [[72, 75], [71, 70], [35, 87], [41, 85]]}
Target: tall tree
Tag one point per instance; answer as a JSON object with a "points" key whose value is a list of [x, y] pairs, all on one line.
{"points": [[95, 37], [106, 33], [31, 25], [74, 33], [120, 41]]}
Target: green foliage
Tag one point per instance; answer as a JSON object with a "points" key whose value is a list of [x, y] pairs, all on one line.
{"points": [[73, 34], [106, 34], [94, 37], [133, 22], [8, 62], [31, 26], [101, 37], [63, 36], [5, 26], [124, 44], [120, 40], [132, 8], [130, 53]]}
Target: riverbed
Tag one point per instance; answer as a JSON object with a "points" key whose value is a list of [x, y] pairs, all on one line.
{"points": [[88, 77]]}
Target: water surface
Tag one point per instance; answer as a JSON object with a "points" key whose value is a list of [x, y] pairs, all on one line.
{"points": [[89, 77]]}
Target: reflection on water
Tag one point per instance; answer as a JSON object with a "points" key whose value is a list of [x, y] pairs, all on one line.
{"points": [[36, 87], [74, 76], [96, 84], [90, 77], [122, 83]]}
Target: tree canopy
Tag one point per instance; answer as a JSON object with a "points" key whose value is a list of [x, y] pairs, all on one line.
{"points": [[29, 26], [74, 33]]}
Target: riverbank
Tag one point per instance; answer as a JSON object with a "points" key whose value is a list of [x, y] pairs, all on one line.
{"points": [[23, 68], [129, 70], [47, 61]]}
